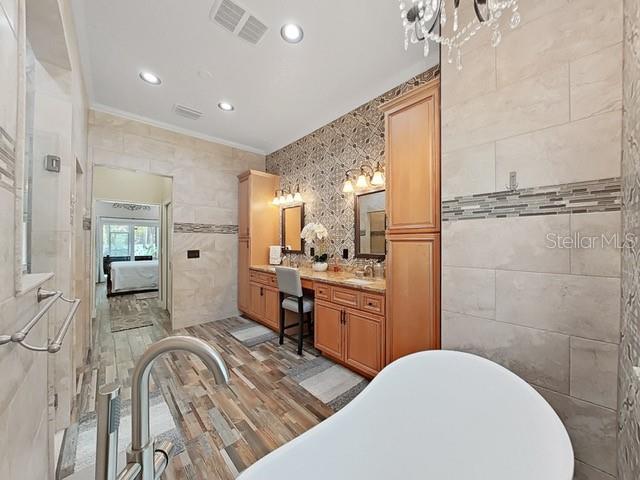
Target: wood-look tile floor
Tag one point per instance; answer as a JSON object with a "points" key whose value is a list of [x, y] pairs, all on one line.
{"points": [[225, 429]]}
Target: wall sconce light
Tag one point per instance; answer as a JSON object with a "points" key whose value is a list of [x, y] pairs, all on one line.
{"points": [[365, 177], [285, 197]]}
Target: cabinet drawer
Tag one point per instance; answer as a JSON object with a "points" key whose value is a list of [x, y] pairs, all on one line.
{"points": [[264, 278], [344, 296], [373, 303], [323, 291]]}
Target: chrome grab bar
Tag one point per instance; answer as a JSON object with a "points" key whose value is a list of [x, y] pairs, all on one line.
{"points": [[55, 345]]}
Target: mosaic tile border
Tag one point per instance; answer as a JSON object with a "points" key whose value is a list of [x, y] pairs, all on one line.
{"points": [[7, 161], [601, 195], [205, 228], [86, 223]]}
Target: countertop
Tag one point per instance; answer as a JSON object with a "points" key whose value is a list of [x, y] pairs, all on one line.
{"points": [[378, 285]]}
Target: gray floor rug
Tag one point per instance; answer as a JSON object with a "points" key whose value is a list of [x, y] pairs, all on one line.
{"points": [[251, 333], [128, 323], [146, 295], [329, 382]]}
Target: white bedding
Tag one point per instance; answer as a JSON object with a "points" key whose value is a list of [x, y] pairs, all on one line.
{"points": [[142, 275]]}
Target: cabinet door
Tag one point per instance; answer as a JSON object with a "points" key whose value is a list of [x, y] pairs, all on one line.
{"points": [[244, 302], [363, 342], [243, 207], [257, 301], [328, 329], [413, 294], [272, 308], [413, 162]]}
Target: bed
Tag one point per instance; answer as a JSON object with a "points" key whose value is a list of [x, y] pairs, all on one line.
{"points": [[134, 276]]}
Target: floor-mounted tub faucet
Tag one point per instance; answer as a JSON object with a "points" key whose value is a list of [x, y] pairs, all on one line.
{"points": [[146, 459]]}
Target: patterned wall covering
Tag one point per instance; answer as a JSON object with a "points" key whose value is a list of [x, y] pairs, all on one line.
{"points": [[318, 161], [629, 381]]}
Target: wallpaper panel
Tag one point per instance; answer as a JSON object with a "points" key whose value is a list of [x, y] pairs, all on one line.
{"points": [[318, 161], [629, 381]]}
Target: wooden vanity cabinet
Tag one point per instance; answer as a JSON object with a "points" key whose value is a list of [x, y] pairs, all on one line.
{"points": [[412, 125], [346, 332], [258, 228], [264, 299]]}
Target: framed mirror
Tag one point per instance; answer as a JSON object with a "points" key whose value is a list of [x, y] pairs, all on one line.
{"points": [[292, 225], [370, 223]]}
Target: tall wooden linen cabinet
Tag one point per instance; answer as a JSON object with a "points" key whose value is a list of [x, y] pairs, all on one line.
{"points": [[412, 124], [258, 228]]}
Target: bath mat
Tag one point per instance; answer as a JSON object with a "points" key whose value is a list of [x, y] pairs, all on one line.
{"points": [[120, 324], [251, 334], [146, 295], [329, 382]]}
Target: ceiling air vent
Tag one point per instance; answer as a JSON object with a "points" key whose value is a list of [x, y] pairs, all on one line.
{"points": [[237, 20], [253, 30], [227, 14], [187, 112]]}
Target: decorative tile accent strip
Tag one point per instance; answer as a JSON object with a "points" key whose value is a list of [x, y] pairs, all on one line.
{"points": [[205, 228], [86, 223], [580, 197], [7, 161], [317, 162]]}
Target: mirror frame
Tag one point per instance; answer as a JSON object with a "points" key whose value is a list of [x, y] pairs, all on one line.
{"points": [[356, 209], [283, 229]]}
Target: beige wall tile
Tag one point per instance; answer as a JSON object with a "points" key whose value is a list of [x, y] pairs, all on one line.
{"points": [[469, 171], [469, 290], [8, 77], [106, 138], [596, 83], [594, 372], [598, 257], [532, 104], [112, 159], [518, 243], [587, 307], [592, 429], [572, 152], [7, 252], [539, 357], [551, 40], [144, 147], [477, 78]]}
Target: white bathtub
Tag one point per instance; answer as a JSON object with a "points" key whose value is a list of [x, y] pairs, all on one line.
{"points": [[431, 416]]}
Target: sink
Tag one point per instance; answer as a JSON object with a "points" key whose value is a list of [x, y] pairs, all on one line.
{"points": [[359, 281]]}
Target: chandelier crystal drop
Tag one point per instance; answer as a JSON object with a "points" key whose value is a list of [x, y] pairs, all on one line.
{"points": [[423, 21]]}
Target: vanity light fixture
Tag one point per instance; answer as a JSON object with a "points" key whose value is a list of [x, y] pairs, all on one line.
{"points": [[291, 33], [285, 197], [226, 107], [367, 176], [150, 78]]}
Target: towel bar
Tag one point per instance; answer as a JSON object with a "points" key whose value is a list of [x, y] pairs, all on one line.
{"points": [[55, 345]]}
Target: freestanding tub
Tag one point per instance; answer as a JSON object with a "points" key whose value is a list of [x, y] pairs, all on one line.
{"points": [[436, 415]]}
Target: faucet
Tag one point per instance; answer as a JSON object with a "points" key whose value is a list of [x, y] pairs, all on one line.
{"points": [[146, 460], [368, 270]]}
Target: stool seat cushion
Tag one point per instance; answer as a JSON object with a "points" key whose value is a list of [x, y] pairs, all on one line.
{"points": [[291, 304]]}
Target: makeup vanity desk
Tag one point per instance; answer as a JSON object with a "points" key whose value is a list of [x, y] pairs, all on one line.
{"points": [[349, 314]]}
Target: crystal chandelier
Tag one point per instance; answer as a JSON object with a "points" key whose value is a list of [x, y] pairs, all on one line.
{"points": [[421, 18]]}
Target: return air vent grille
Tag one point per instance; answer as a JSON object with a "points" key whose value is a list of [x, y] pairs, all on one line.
{"points": [[237, 20], [228, 15], [187, 112], [253, 30]]}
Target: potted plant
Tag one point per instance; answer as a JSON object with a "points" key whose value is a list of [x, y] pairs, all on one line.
{"points": [[316, 234]]}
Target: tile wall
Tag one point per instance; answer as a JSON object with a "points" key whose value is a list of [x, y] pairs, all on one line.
{"points": [[318, 163], [629, 381], [531, 278], [205, 197]]}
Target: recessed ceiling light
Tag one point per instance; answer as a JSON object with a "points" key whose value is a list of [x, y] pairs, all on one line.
{"points": [[292, 33], [150, 78], [226, 106]]}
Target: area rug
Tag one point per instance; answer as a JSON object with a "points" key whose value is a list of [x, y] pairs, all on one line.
{"points": [[120, 324], [146, 295], [329, 382], [251, 333]]}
